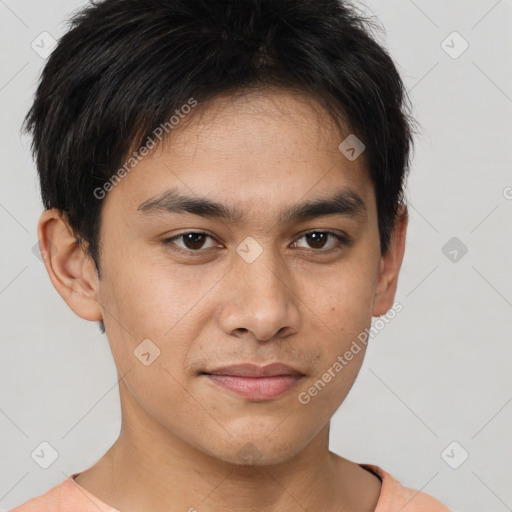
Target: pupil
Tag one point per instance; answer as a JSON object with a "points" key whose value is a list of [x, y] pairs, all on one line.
{"points": [[192, 238], [316, 238]]}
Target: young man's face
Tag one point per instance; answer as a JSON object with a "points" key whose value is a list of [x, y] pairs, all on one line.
{"points": [[256, 290]]}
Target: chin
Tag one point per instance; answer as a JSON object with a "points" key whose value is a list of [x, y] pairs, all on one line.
{"points": [[255, 450]]}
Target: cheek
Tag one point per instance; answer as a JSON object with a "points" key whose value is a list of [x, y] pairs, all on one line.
{"points": [[342, 311], [150, 296], [343, 304], [153, 301]]}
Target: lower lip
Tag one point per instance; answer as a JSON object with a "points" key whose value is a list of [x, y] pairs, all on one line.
{"points": [[256, 388]]}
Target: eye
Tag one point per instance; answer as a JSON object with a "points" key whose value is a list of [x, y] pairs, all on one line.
{"points": [[317, 240], [193, 241]]}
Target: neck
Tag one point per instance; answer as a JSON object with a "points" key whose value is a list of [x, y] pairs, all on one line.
{"points": [[149, 468]]}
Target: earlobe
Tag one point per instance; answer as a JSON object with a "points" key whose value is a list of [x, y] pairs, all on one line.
{"points": [[390, 265], [71, 271]]}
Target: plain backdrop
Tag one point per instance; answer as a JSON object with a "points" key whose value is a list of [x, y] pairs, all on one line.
{"points": [[432, 404]]}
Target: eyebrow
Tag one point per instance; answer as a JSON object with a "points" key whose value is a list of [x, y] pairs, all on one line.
{"points": [[345, 202]]}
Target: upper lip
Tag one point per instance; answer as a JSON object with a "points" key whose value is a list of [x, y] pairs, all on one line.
{"points": [[253, 370]]}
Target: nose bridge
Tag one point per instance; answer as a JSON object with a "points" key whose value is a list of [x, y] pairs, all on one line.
{"points": [[261, 299], [261, 266]]}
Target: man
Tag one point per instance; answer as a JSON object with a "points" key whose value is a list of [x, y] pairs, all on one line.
{"points": [[223, 190]]}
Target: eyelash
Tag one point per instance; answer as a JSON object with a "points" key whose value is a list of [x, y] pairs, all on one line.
{"points": [[343, 240]]}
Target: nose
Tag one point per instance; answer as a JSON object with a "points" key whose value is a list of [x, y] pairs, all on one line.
{"points": [[261, 300]]}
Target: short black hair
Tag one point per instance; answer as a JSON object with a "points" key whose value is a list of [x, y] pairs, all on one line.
{"points": [[125, 67]]}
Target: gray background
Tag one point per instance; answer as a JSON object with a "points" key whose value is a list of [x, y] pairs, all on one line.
{"points": [[436, 374]]}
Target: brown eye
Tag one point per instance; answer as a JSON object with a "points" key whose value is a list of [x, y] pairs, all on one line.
{"points": [[318, 240], [192, 241]]}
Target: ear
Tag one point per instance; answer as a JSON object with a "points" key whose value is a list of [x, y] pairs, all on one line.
{"points": [[71, 271], [390, 265]]}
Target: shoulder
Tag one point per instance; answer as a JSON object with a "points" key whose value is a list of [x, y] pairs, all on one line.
{"points": [[67, 496], [47, 502], [394, 496]]}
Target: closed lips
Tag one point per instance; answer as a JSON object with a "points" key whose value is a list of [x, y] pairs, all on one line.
{"points": [[251, 370], [255, 383]]}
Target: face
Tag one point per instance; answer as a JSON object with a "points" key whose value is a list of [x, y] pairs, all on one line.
{"points": [[275, 281]]}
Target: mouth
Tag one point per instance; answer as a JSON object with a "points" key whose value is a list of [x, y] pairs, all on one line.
{"points": [[256, 383]]}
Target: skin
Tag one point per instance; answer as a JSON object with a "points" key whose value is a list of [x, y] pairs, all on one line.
{"points": [[182, 436]]}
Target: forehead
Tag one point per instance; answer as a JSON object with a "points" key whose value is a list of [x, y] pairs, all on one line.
{"points": [[256, 151], [252, 119]]}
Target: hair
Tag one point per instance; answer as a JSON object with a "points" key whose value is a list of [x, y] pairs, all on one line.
{"points": [[125, 67]]}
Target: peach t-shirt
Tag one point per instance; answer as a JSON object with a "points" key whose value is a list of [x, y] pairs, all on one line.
{"points": [[68, 496]]}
